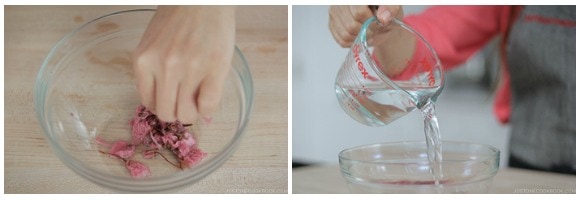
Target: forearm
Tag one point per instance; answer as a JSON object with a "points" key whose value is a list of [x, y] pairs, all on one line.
{"points": [[454, 32], [396, 51]]}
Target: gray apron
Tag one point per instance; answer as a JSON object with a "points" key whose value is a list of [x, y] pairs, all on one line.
{"points": [[541, 50]]}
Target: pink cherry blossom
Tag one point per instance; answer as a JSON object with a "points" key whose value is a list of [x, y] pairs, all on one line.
{"points": [[194, 157], [137, 169], [140, 128], [148, 131], [122, 149]]}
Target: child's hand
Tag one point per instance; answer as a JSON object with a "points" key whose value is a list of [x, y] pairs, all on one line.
{"points": [[183, 60], [345, 22]]}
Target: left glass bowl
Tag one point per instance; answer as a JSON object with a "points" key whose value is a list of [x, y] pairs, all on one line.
{"points": [[86, 89]]}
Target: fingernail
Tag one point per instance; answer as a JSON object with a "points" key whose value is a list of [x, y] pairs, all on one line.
{"points": [[384, 16], [207, 120]]}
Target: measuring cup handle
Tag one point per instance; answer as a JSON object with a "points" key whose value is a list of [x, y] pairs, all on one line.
{"points": [[362, 35]]}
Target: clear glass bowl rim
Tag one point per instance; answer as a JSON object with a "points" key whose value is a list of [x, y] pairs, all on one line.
{"points": [[494, 152]]}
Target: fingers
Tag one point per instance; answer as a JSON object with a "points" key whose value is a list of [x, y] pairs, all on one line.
{"points": [[201, 98], [186, 106], [337, 29], [145, 84], [345, 22], [386, 13], [360, 14], [166, 96], [209, 97], [177, 54], [211, 89]]}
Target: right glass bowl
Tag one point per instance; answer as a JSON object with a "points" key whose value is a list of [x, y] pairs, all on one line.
{"points": [[403, 167]]}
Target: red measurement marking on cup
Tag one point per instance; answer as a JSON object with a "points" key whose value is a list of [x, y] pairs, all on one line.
{"points": [[352, 104], [359, 95], [427, 67], [360, 65]]}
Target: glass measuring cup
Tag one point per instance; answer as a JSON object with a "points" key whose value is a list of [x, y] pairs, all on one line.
{"points": [[374, 97]]}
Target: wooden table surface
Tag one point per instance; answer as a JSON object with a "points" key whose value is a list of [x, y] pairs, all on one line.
{"points": [[260, 164], [328, 180]]}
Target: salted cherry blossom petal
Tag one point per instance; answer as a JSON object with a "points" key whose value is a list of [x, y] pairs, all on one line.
{"points": [[137, 169], [122, 149]]}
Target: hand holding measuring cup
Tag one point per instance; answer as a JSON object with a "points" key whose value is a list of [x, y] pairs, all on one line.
{"points": [[346, 21], [404, 74]]}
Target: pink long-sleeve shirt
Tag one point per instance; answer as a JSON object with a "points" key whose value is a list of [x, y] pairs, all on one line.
{"points": [[540, 79], [458, 32]]}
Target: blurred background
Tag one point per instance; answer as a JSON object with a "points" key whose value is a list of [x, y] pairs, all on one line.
{"points": [[321, 129]]}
